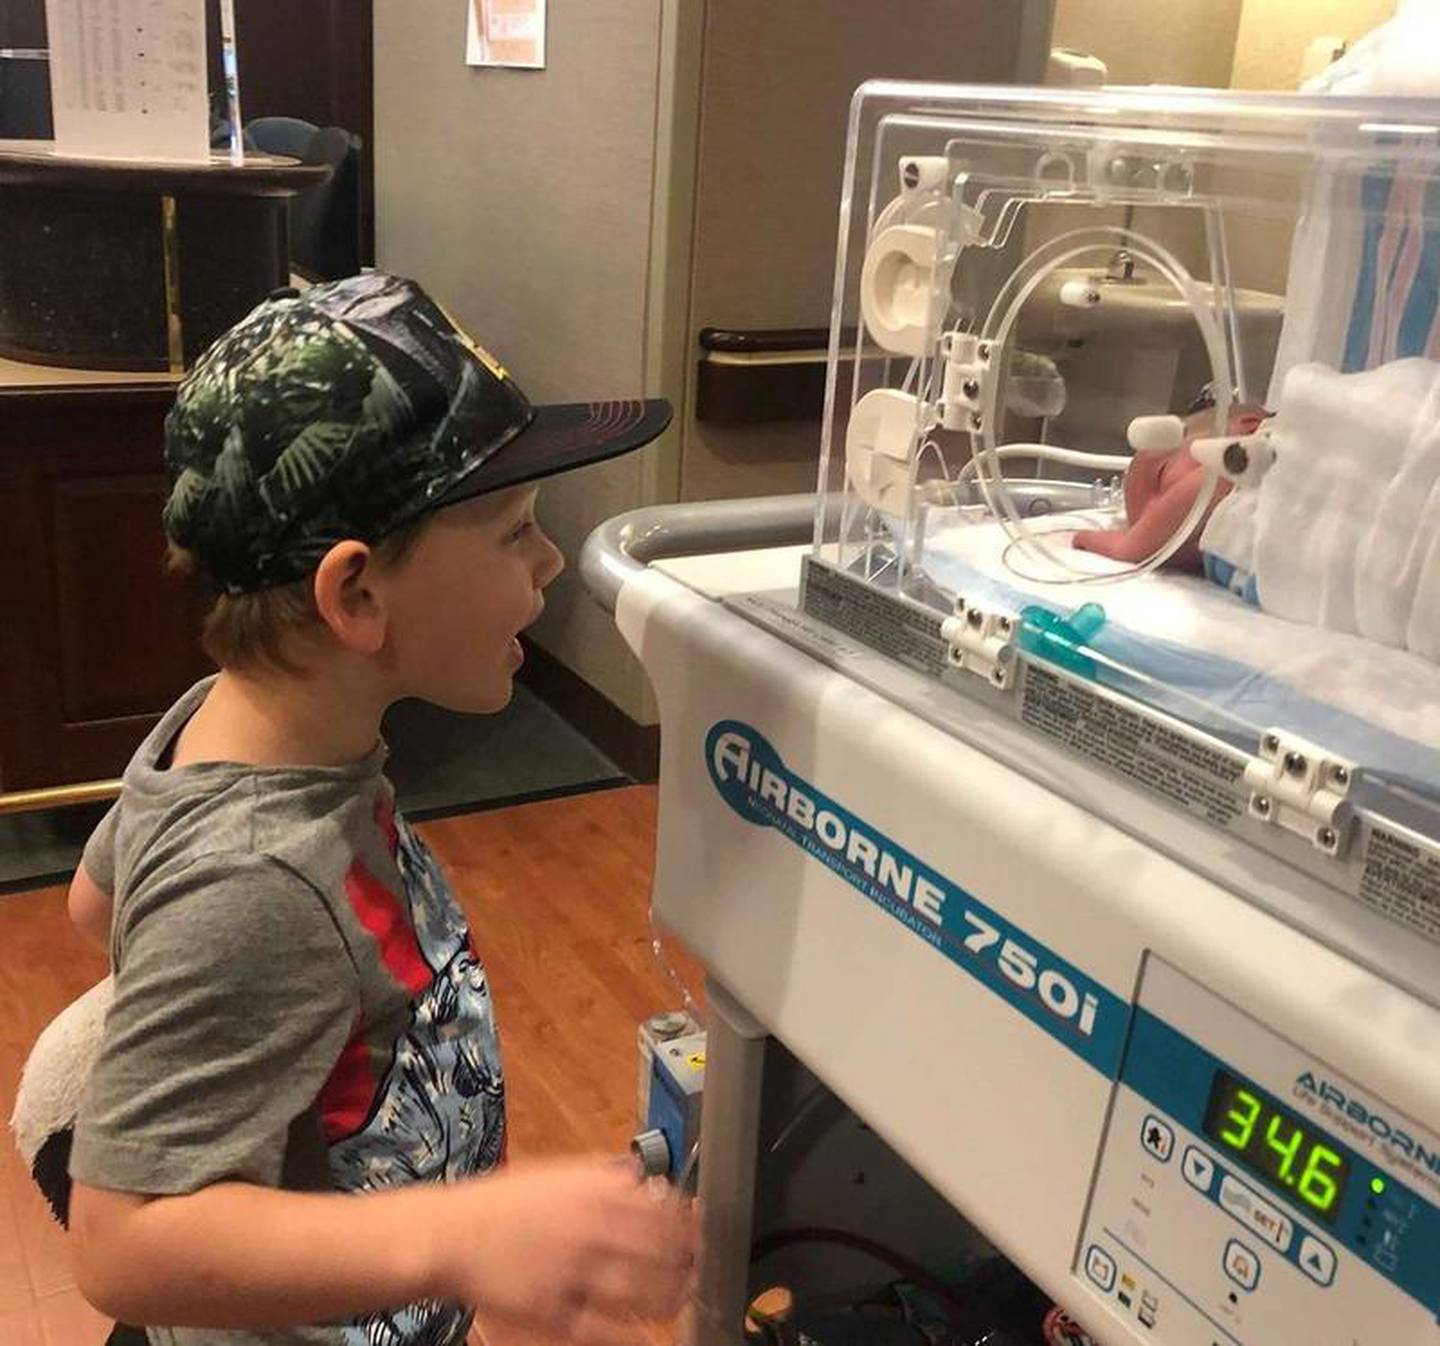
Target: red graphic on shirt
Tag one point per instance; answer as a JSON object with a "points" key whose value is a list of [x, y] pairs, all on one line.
{"points": [[349, 1094], [384, 915], [431, 1107]]}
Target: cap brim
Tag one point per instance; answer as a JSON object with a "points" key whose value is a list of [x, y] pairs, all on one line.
{"points": [[562, 437]]}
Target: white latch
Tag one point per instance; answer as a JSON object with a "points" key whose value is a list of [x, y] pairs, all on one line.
{"points": [[1244, 459], [981, 642], [1298, 786], [1155, 434], [923, 172], [967, 370]]}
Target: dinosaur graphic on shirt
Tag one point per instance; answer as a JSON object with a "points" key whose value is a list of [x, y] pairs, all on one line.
{"points": [[439, 1113]]}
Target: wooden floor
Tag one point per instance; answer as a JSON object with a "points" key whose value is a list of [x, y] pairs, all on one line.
{"points": [[557, 893]]}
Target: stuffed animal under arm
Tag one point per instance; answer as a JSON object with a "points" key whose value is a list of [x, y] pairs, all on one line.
{"points": [[51, 1085]]}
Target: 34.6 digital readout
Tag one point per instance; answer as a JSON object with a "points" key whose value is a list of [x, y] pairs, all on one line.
{"points": [[1294, 1158]]}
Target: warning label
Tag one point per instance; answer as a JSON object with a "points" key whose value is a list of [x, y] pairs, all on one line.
{"points": [[795, 626], [909, 635], [1199, 778], [1402, 879]]}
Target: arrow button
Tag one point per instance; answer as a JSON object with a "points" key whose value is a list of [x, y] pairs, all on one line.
{"points": [[1199, 1169], [1317, 1260]]}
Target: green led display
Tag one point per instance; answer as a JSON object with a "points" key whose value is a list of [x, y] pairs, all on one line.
{"points": [[1300, 1161]]}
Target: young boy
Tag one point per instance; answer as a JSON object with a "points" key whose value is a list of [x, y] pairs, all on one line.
{"points": [[299, 1087]]}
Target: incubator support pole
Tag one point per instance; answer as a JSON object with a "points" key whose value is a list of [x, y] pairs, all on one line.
{"points": [[729, 1141]]}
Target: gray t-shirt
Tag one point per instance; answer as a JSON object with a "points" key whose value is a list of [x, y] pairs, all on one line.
{"points": [[298, 1003]]}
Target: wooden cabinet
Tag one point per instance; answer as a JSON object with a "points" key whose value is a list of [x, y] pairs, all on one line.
{"points": [[96, 638]]}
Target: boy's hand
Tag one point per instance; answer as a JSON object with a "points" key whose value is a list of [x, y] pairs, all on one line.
{"points": [[577, 1249]]}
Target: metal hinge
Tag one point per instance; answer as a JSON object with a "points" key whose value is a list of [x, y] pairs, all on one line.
{"points": [[1301, 787], [981, 642]]}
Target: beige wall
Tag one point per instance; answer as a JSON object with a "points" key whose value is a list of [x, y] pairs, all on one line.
{"points": [[557, 212], [1241, 44], [523, 199], [778, 78], [1274, 34], [1244, 44], [1269, 50], [1189, 42], [1154, 41]]}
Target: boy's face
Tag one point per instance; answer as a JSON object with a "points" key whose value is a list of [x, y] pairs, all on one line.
{"points": [[458, 601]]}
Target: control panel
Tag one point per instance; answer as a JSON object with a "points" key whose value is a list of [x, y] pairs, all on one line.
{"points": [[1248, 1195]]}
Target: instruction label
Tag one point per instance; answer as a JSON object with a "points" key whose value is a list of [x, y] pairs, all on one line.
{"points": [[796, 626], [906, 633], [1201, 779], [1402, 880]]}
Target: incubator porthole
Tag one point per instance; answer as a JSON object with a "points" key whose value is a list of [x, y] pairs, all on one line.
{"points": [[1031, 556]]}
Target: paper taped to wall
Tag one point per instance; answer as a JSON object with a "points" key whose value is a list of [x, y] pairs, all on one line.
{"points": [[506, 33]]}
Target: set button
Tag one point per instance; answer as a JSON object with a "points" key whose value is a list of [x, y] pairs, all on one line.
{"points": [[1257, 1214]]}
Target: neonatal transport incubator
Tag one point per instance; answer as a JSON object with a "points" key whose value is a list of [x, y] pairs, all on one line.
{"points": [[1059, 789]]}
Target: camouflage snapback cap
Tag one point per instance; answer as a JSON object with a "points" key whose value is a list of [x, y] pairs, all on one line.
{"points": [[348, 411]]}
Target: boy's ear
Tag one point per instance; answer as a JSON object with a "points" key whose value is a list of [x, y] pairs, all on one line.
{"points": [[346, 600]]}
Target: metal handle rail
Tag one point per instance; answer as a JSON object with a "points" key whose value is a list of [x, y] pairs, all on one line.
{"points": [[623, 546]]}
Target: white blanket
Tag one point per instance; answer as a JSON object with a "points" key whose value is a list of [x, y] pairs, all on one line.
{"points": [[1343, 532], [1302, 669]]}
